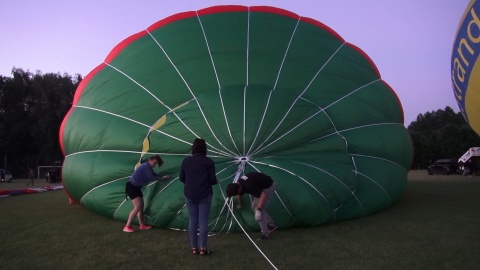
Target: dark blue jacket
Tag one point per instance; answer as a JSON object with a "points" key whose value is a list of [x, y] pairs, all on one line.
{"points": [[198, 174]]}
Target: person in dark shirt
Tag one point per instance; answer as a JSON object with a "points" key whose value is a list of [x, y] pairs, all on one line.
{"points": [[262, 188], [198, 174], [143, 175], [471, 166], [30, 177]]}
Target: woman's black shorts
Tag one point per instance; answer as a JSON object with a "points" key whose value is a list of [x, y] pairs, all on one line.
{"points": [[133, 191]]}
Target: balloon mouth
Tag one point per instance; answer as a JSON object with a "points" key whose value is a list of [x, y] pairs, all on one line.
{"points": [[243, 159]]}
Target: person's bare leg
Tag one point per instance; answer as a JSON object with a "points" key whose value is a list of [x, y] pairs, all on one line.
{"points": [[140, 214], [137, 202]]}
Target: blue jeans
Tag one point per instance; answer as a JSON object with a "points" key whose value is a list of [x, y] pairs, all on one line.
{"points": [[198, 212]]}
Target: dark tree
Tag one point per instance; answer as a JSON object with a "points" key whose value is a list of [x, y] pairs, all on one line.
{"points": [[440, 134], [32, 107]]}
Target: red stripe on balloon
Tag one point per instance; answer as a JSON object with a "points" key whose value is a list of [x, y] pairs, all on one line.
{"points": [[85, 81], [170, 19], [398, 100], [378, 74], [62, 128], [76, 98], [323, 26], [366, 57], [122, 45], [71, 199], [222, 9], [275, 10]]}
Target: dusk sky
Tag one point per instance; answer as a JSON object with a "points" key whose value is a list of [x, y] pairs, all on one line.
{"points": [[410, 41]]}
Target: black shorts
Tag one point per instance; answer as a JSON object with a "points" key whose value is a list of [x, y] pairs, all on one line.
{"points": [[133, 191]]}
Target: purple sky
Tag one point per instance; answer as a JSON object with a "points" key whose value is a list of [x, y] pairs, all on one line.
{"points": [[410, 41]]}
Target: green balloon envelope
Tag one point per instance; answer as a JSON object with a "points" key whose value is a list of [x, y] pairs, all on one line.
{"points": [[282, 92]]}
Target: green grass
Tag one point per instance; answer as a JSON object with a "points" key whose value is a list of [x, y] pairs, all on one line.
{"points": [[18, 184], [436, 225]]}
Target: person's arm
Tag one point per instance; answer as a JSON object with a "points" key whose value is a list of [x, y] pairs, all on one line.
{"points": [[161, 176], [156, 176], [152, 177], [182, 173], [213, 177], [261, 200], [240, 203]]}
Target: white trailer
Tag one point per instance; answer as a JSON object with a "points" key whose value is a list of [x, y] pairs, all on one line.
{"points": [[468, 160], [472, 152]]}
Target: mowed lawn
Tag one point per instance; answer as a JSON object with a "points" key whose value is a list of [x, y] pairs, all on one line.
{"points": [[436, 225]]}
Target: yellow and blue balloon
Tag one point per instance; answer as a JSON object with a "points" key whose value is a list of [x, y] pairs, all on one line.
{"points": [[466, 65]]}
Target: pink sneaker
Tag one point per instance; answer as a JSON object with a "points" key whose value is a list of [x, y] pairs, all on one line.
{"points": [[145, 227], [128, 229]]}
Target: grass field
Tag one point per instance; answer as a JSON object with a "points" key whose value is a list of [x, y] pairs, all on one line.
{"points": [[436, 225]]}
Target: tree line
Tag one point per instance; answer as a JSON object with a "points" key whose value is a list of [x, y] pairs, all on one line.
{"points": [[440, 134], [33, 105]]}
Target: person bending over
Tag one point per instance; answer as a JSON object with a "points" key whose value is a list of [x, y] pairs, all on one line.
{"points": [[143, 175], [262, 188]]}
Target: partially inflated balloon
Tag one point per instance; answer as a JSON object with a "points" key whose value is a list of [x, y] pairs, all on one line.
{"points": [[268, 90], [466, 65]]}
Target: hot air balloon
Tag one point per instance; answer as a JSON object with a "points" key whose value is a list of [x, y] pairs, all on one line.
{"points": [[268, 90], [465, 65]]}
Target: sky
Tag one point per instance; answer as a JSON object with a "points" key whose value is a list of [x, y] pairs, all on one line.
{"points": [[410, 41]]}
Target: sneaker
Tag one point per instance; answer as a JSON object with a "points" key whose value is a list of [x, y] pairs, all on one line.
{"points": [[265, 237], [128, 229], [272, 227], [145, 227]]}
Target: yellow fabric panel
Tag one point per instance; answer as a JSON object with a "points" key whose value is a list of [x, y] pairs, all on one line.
{"points": [[472, 98]]}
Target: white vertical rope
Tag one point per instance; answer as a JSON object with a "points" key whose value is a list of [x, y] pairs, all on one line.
{"points": [[161, 102], [104, 184], [156, 195], [303, 92], [218, 83], [386, 193], [351, 93], [137, 122], [278, 196], [191, 92], [244, 117], [352, 192], [230, 208], [223, 207], [125, 151], [249, 238], [379, 158], [274, 87], [348, 129], [286, 133], [246, 84], [298, 176]]}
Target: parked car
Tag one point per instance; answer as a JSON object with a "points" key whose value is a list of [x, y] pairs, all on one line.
{"points": [[6, 175], [444, 166]]}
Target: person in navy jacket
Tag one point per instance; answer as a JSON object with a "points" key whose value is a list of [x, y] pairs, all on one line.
{"points": [[197, 172]]}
